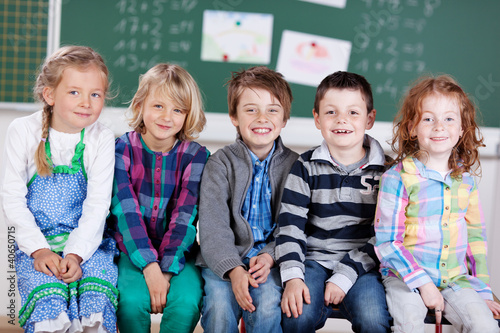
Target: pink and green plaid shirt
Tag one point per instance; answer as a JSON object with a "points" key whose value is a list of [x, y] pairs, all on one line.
{"points": [[154, 208], [431, 230]]}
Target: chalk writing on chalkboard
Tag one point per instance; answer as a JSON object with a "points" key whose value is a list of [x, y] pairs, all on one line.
{"points": [[143, 32], [391, 54], [392, 43]]}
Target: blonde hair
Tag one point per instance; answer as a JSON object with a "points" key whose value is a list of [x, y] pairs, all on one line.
{"points": [[175, 83], [465, 154], [50, 75]]}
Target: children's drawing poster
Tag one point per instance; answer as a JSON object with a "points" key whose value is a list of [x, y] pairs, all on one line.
{"points": [[236, 37], [331, 3], [306, 59]]}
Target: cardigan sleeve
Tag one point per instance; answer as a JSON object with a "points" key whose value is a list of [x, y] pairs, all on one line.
{"points": [[217, 237]]}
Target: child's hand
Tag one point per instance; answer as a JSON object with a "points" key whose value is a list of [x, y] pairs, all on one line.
{"points": [[432, 299], [494, 307], [240, 279], [70, 268], [295, 293], [260, 267], [158, 285], [333, 294], [47, 262]]}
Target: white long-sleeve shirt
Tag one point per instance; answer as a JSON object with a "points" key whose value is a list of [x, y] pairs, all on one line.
{"points": [[23, 137]]}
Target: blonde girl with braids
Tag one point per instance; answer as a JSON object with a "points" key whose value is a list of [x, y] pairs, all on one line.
{"points": [[56, 191], [431, 236]]}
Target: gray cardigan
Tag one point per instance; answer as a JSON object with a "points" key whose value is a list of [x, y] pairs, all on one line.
{"points": [[225, 236]]}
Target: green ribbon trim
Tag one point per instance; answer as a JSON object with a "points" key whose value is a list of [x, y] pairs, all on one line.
{"points": [[38, 293], [99, 285], [76, 161], [105, 283], [74, 289], [76, 165], [58, 242]]}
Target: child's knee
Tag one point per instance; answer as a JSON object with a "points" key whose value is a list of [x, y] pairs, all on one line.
{"points": [[184, 306], [486, 326], [128, 304]]}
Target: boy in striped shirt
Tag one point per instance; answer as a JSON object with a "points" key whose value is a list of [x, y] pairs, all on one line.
{"points": [[324, 245]]}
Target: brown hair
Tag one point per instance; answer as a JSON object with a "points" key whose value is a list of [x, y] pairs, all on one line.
{"points": [[50, 76], [263, 78], [465, 154], [177, 84], [344, 80]]}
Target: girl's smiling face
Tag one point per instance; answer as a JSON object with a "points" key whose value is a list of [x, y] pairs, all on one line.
{"points": [[439, 128], [162, 121], [77, 100]]}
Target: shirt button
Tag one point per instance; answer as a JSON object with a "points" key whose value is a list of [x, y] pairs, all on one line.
{"points": [[153, 219], [445, 246], [157, 169], [447, 189], [155, 207], [158, 157], [444, 281], [157, 194], [443, 264], [445, 224], [157, 181], [447, 207]]}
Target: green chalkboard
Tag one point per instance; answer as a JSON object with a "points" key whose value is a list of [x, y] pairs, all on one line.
{"points": [[23, 46], [392, 43]]}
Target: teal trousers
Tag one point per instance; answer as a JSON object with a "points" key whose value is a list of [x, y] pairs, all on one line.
{"points": [[134, 305]]}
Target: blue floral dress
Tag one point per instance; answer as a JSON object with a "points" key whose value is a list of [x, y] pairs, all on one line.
{"points": [[56, 203]]}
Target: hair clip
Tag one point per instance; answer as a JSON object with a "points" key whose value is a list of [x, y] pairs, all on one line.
{"points": [[44, 139]]}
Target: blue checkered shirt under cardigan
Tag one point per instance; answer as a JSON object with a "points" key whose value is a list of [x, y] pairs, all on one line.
{"points": [[257, 205]]}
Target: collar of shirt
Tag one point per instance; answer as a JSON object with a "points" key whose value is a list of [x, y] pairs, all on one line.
{"points": [[413, 166], [258, 164], [323, 153]]}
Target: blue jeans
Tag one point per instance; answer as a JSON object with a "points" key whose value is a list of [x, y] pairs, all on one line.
{"points": [[364, 304], [221, 313]]}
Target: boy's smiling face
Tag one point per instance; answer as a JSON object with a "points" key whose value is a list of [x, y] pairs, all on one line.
{"points": [[343, 118], [260, 118]]}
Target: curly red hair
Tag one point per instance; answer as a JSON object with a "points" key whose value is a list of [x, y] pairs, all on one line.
{"points": [[465, 155]]}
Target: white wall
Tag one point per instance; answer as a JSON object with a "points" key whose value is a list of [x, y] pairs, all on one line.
{"points": [[299, 134]]}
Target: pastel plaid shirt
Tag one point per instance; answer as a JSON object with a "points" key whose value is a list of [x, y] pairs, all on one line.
{"points": [[431, 230], [154, 207], [257, 205]]}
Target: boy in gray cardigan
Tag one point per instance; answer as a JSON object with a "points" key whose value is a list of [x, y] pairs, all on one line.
{"points": [[240, 198]]}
